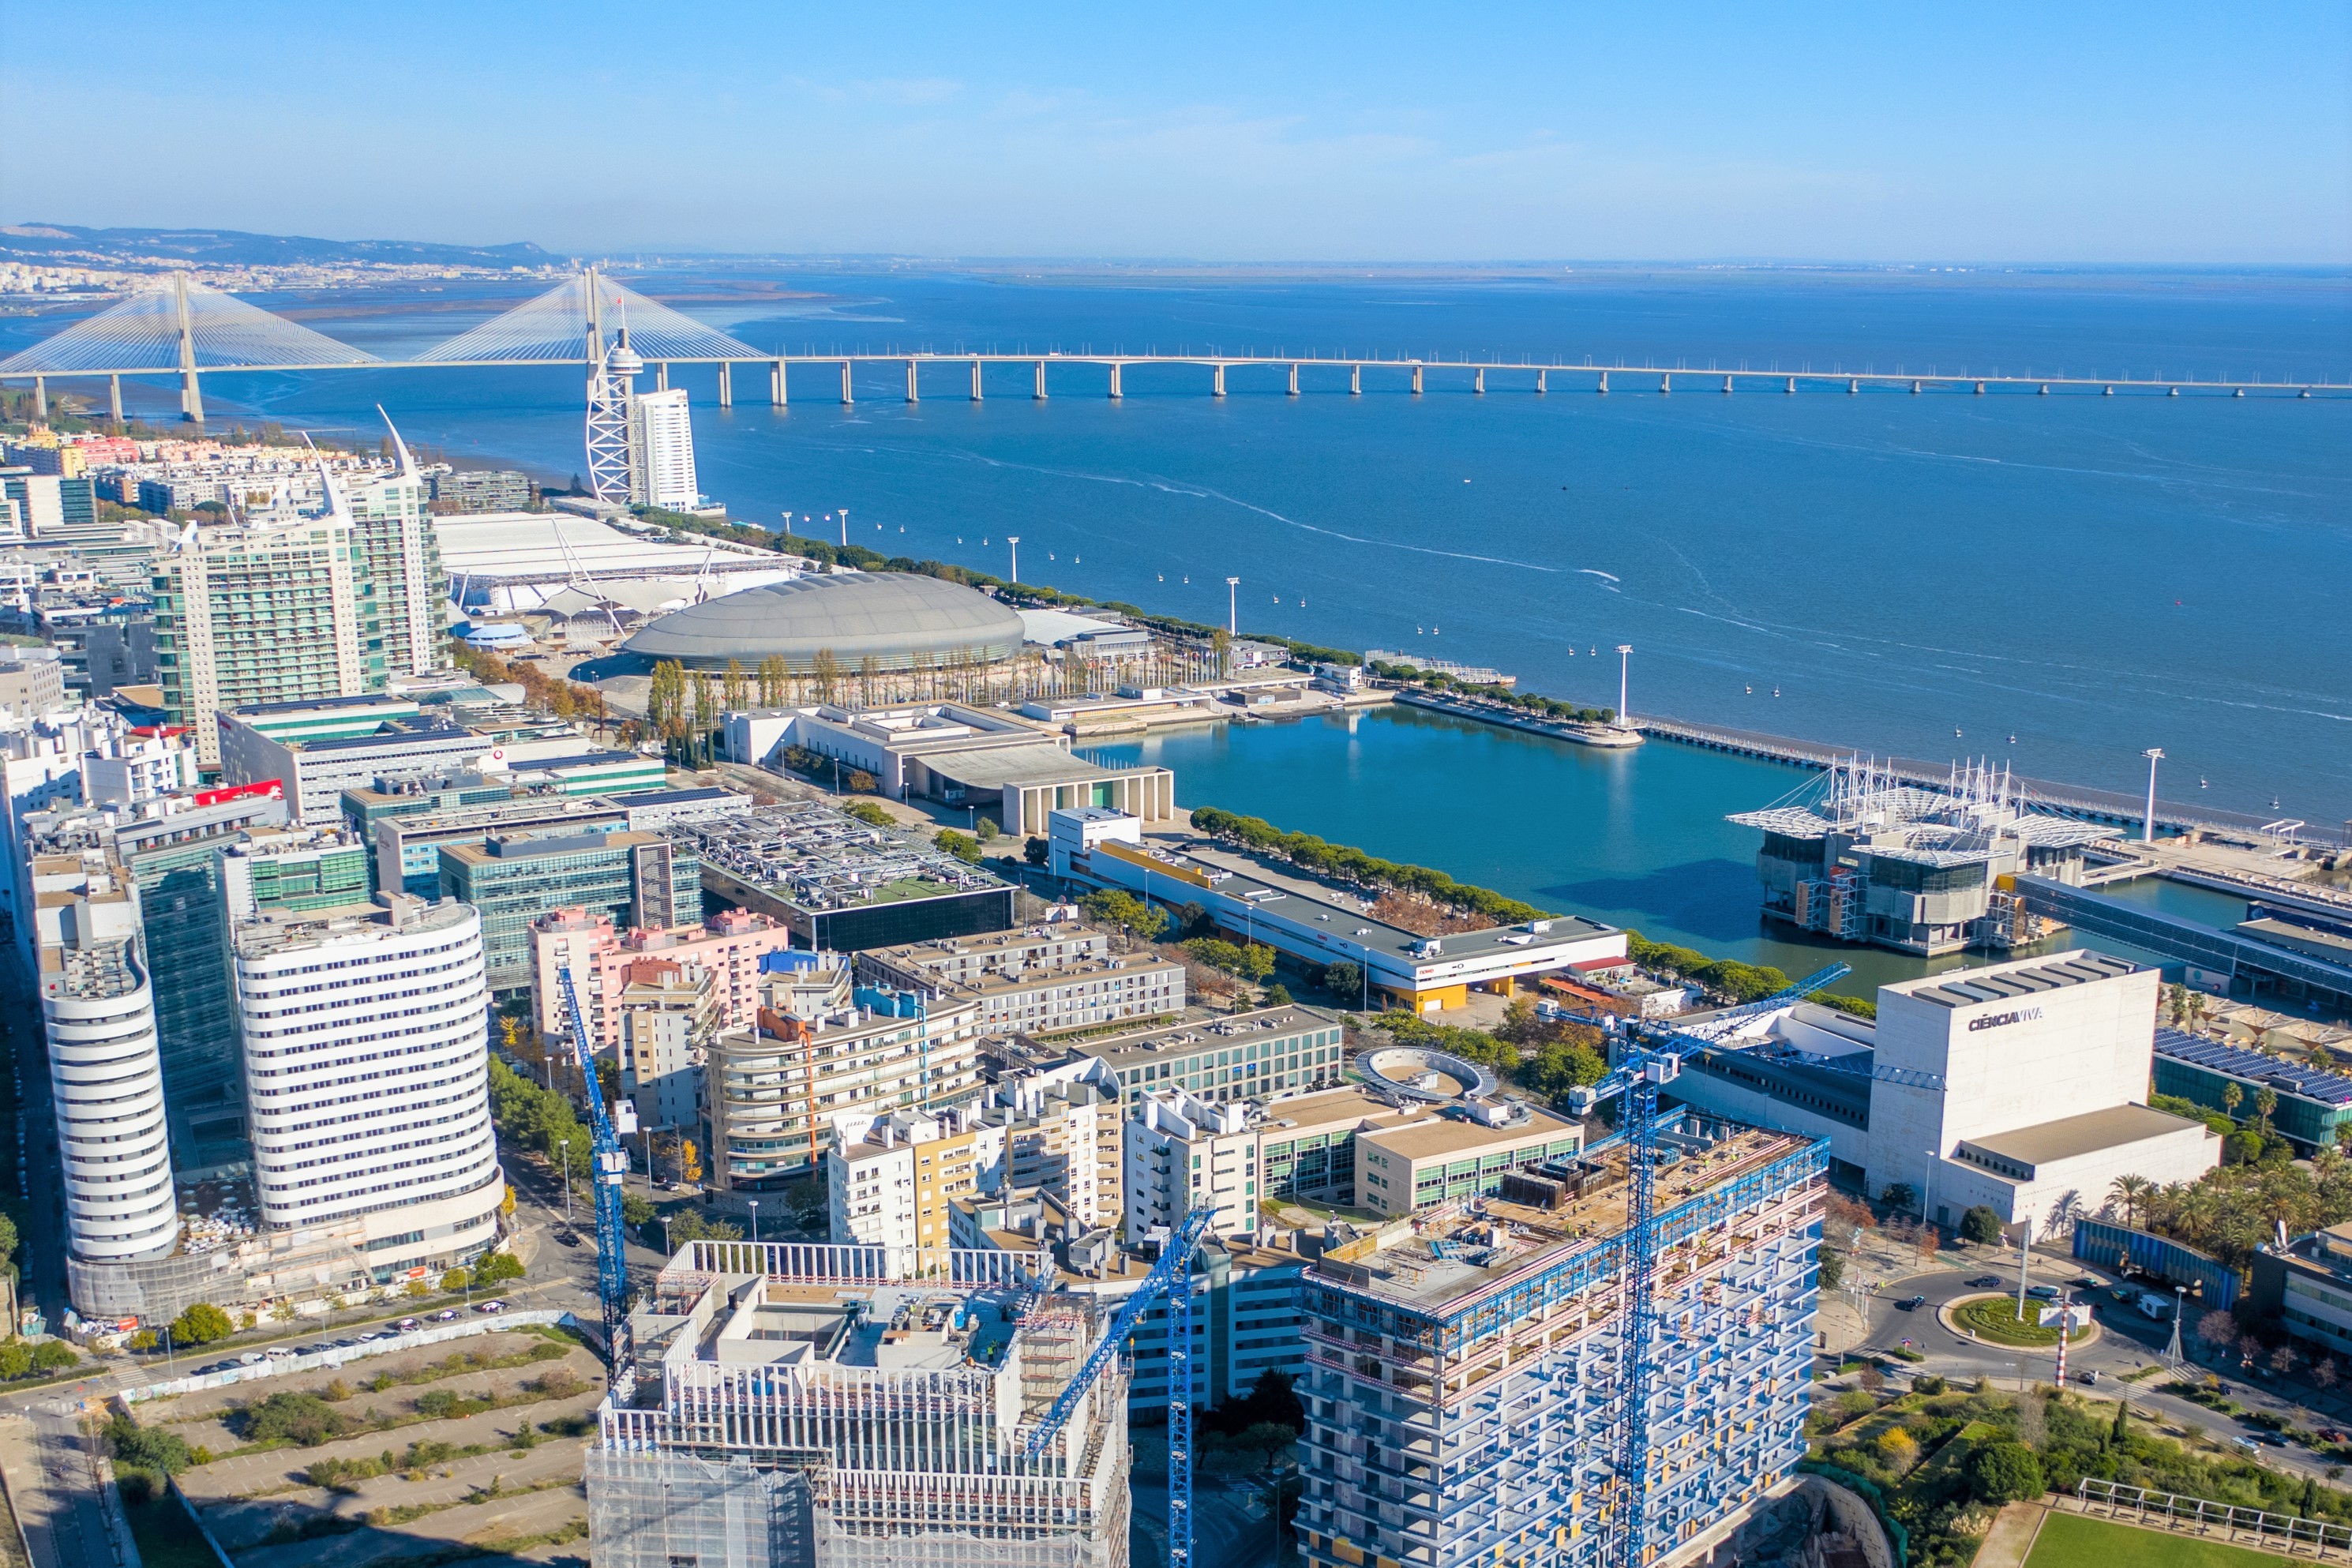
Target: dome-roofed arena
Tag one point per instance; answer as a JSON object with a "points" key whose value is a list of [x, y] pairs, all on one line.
{"points": [[901, 620]]}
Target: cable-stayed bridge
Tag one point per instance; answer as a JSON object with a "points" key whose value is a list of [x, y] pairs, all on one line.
{"points": [[185, 330]]}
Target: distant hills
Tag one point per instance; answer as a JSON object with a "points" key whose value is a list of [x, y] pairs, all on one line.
{"points": [[69, 244]]}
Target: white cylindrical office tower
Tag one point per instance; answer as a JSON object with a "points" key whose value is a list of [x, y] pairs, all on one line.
{"points": [[366, 1069], [107, 1080]]}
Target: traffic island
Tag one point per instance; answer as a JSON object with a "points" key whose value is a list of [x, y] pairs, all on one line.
{"points": [[1993, 1319]]}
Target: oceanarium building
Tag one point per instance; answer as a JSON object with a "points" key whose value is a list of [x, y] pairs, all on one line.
{"points": [[899, 620]]}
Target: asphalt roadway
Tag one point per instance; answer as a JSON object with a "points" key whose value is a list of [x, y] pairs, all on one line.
{"points": [[2129, 1341]]}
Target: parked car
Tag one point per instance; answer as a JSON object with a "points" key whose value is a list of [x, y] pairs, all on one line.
{"points": [[2090, 1377], [2083, 1282], [2043, 1292], [2248, 1444], [1910, 1303], [2270, 1439], [2331, 1435], [346, 1345], [567, 1237], [407, 1323], [490, 1306], [445, 1315], [1985, 1282]]}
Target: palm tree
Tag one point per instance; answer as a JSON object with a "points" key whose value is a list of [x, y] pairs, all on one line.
{"points": [[2232, 1097], [2266, 1106], [2130, 1192]]}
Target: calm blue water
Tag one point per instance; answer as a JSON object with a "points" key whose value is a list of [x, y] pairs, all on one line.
{"points": [[2094, 575], [1634, 837]]}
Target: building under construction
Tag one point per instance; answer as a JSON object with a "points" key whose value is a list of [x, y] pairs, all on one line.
{"points": [[790, 1405], [1862, 856], [1465, 1384]]}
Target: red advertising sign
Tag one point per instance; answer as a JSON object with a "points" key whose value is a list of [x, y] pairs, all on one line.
{"points": [[267, 789]]}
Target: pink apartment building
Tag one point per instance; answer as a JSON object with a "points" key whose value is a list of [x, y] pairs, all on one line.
{"points": [[728, 944]]}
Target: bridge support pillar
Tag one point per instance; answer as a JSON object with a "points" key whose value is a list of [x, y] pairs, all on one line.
{"points": [[1114, 380], [1040, 392], [40, 404], [1980, 389], [1791, 388], [2044, 392], [1604, 382], [1294, 378], [2109, 392], [192, 397], [1914, 389], [2174, 393], [914, 393], [1853, 385], [726, 384], [1478, 381], [975, 381], [661, 375], [779, 394], [2239, 393], [1726, 386], [1355, 381], [1416, 380], [1665, 384], [1217, 381], [1540, 387], [847, 396], [114, 398]]}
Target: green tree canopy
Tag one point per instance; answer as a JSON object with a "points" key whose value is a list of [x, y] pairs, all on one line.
{"points": [[1110, 906], [1980, 1223], [2005, 1471], [201, 1325]]}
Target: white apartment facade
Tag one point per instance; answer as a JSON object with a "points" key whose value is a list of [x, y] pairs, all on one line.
{"points": [[661, 451], [98, 1010], [1183, 1153], [366, 1063], [1036, 982], [1063, 1130]]}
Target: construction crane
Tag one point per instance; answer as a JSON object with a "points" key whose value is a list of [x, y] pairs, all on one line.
{"points": [[1172, 1277], [606, 1165], [1648, 1058]]}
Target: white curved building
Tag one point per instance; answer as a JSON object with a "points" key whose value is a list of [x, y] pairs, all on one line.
{"points": [[367, 1078], [107, 1076]]}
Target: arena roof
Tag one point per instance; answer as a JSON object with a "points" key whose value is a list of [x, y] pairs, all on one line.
{"points": [[896, 618]]}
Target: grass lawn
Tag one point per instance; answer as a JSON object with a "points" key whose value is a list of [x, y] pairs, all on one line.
{"points": [[1995, 1318], [2072, 1541]]}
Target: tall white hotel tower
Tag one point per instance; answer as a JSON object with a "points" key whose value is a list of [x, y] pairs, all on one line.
{"points": [[98, 1009], [367, 1075]]}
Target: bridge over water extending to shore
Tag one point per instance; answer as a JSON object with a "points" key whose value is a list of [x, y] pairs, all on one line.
{"points": [[186, 331]]}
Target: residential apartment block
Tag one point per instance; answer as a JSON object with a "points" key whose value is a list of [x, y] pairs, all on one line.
{"points": [[1041, 981], [728, 945], [1248, 1056]]}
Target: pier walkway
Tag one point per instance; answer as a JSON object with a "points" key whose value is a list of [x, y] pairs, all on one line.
{"points": [[2065, 799]]}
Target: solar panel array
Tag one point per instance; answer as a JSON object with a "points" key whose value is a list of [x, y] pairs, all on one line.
{"points": [[2236, 1061]]}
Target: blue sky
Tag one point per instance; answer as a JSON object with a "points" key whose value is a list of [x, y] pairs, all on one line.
{"points": [[1984, 131]]}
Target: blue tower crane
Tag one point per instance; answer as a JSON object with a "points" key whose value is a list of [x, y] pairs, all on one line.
{"points": [[607, 1165], [1172, 1277], [1648, 1058]]}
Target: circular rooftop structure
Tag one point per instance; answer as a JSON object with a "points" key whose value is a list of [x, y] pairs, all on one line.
{"points": [[1434, 1078], [899, 619]]}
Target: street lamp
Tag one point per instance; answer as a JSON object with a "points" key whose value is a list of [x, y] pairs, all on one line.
{"points": [[755, 1219], [1014, 540], [1624, 661], [844, 528], [2153, 755], [1233, 615], [564, 1148]]}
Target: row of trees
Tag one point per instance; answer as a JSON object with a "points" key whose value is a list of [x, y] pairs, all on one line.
{"points": [[1744, 982], [2232, 1209], [564, 699], [1529, 702], [1352, 865]]}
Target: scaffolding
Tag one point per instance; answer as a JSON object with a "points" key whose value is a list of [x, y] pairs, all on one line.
{"points": [[1465, 1410], [898, 1407]]}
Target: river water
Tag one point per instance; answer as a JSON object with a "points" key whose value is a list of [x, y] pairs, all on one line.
{"points": [[1929, 575]]}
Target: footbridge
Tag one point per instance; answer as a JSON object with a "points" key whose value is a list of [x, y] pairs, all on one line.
{"points": [[183, 329]]}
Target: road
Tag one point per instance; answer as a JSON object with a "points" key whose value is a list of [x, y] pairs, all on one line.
{"points": [[2128, 1341], [1230, 1529]]}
